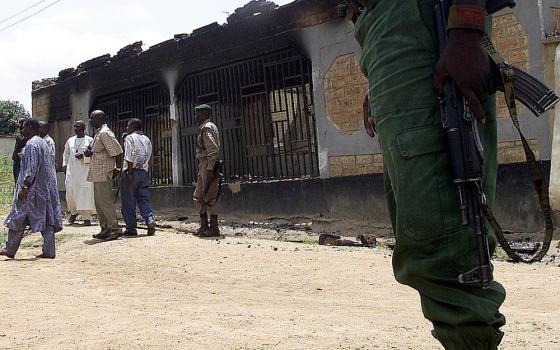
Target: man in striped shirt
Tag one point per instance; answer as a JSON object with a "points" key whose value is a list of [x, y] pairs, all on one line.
{"points": [[104, 152]]}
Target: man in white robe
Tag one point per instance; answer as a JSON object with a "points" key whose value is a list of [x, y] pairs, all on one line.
{"points": [[79, 191]]}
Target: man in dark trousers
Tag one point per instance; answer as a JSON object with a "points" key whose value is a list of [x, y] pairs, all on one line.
{"points": [[135, 185]]}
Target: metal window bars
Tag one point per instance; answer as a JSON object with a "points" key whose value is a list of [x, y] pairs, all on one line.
{"points": [[151, 105], [263, 108]]}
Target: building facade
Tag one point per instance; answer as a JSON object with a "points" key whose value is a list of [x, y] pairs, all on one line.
{"points": [[285, 87]]}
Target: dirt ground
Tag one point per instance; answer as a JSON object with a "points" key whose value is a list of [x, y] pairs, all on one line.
{"points": [[174, 291]]}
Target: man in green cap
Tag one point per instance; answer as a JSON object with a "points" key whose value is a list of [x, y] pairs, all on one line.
{"points": [[207, 154], [405, 74]]}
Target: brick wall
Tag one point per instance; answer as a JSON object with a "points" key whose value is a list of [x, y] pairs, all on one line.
{"points": [[508, 152], [356, 165], [512, 41], [512, 151], [345, 87]]}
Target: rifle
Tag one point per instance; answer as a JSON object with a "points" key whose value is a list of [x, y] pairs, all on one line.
{"points": [[465, 148]]}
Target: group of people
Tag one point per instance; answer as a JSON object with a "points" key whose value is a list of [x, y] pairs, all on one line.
{"points": [[91, 166], [106, 152]]}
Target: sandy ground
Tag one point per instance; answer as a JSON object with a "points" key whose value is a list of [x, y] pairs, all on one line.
{"points": [[174, 291]]}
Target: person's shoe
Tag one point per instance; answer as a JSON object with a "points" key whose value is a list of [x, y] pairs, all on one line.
{"points": [[130, 234], [203, 225], [44, 256], [214, 230], [102, 234], [3, 253], [113, 235], [151, 228], [87, 222], [210, 234], [72, 219]]}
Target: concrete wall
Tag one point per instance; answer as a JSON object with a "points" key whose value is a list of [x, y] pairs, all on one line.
{"points": [[360, 198], [324, 44], [551, 28], [7, 146]]}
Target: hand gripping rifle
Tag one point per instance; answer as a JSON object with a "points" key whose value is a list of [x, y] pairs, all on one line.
{"points": [[465, 148]]}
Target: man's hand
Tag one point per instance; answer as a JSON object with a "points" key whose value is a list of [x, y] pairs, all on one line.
{"points": [[22, 193], [80, 156], [465, 61], [116, 172]]}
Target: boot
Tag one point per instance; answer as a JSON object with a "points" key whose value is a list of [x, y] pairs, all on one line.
{"points": [[214, 230], [151, 228], [72, 219], [203, 225]]}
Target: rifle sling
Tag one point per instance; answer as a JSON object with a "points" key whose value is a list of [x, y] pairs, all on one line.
{"points": [[540, 183]]}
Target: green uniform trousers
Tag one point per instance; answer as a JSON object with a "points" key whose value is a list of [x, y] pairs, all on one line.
{"points": [[432, 248]]}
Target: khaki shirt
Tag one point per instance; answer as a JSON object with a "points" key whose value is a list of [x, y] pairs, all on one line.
{"points": [[105, 148], [208, 144]]}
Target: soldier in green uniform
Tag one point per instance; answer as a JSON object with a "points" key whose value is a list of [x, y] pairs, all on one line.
{"points": [[401, 61]]}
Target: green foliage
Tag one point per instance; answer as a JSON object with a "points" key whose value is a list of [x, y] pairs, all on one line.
{"points": [[500, 254], [10, 112], [6, 191], [6, 184]]}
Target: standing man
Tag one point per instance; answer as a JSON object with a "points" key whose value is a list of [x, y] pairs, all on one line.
{"points": [[79, 191], [36, 203], [400, 59], [104, 152], [135, 187], [18, 148], [207, 189], [44, 129]]}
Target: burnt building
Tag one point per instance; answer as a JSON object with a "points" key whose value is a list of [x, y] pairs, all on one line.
{"points": [[287, 93]]}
